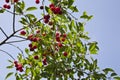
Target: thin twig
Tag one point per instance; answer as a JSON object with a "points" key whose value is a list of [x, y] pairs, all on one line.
{"points": [[14, 19], [14, 41], [8, 54], [4, 41], [10, 11], [17, 48], [20, 37], [3, 32]]}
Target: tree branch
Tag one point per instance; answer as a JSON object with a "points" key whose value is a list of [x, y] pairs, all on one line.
{"points": [[14, 19], [3, 32], [7, 54]]}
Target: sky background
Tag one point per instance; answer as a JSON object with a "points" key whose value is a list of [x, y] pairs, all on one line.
{"points": [[104, 28]]}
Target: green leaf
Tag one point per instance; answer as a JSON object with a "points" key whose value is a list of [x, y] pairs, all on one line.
{"points": [[113, 74], [8, 75], [2, 10], [11, 66], [106, 70], [117, 78], [31, 8], [70, 2], [86, 16], [74, 8]]}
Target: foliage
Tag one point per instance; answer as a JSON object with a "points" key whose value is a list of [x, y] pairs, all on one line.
{"points": [[59, 47]]}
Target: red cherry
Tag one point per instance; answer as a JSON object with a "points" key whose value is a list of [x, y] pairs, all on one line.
{"points": [[31, 49], [52, 9], [21, 70], [34, 47], [58, 39], [51, 5], [15, 62], [36, 57], [64, 35], [37, 1], [23, 32], [60, 44], [57, 34], [8, 7], [41, 7], [16, 0], [5, 5], [65, 54], [30, 45], [7, 1], [37, 31], [46, 16], [46, 20], [63, 39], [57, 9]]}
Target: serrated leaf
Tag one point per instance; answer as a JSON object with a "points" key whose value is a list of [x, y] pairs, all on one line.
{"points": [[31, 8], [8, 75]]}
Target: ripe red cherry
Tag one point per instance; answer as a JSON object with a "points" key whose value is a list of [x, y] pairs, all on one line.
{"points": [[51, 5], [46, 16], [7, 1], [65, 54], [63, 39], [36, 57], [41, 7], [37, 31], [30, 45], [23, 32], [15, 62], [57, 10], [5, 5], [37, 1], [15, 0], [8, 7], [46, 20], [60, 44], [64, 35], [57, 34]]}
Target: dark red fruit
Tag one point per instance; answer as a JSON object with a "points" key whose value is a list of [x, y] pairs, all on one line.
{"points": [[46, 20], [8, 7], [37, 1], [65, 54], [15, 0], [7, 1], [46, 16], [60, 44], [23, 32], [51, 5], [5, 6], [41, 7], [63, 39], [36, 57], [64, 35]]}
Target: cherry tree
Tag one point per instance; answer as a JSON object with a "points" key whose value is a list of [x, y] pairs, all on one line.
{"points": [[59, 48]]}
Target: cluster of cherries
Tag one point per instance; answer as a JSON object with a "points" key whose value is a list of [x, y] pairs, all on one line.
{"points": [[18, 66], [55, 9], [7, 6], [60, 38]]}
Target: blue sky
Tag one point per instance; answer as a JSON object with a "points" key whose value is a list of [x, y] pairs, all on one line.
{"points": [[104, 28]]}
